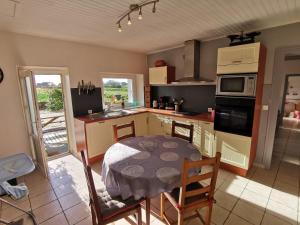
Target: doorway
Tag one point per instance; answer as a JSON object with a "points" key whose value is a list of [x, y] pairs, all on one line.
{"points": [[51, 109], [291, 100], [46, 109]]}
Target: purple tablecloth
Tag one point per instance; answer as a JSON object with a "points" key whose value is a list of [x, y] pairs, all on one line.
{"points": [[146, 166]]}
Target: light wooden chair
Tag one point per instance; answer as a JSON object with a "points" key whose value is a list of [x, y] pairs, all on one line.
{"points": [[192, 195], [106, 209], [184, 126], [124, 126]]}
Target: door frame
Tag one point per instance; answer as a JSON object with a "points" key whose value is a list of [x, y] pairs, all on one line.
{"points": [[68, 108]]}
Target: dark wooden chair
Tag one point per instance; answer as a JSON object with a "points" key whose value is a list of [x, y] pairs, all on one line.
{"points": [[184, 126], [124, 126], [104, 208], [193, 195]]}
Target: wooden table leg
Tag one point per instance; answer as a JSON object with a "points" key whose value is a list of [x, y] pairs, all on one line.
{"points": [[148, 211]]}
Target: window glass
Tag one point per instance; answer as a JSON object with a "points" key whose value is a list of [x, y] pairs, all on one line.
{"points": [[115, 90]]}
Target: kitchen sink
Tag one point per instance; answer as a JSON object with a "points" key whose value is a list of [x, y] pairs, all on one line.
{"points": [[115, 114]]}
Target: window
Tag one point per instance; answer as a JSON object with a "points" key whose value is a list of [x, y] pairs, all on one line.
{"points": [[115, 90]]}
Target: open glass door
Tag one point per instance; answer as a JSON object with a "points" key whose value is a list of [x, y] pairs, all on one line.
{"points": [[29, 97]]}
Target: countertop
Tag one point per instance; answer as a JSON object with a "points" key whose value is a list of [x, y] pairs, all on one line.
{"points": [[206, 117]]}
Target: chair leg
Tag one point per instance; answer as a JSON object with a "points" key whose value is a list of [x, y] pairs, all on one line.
{"points": [[148, 211], [139, 216], [208, 214], [162, 205], [93, 216], [180, 219]]}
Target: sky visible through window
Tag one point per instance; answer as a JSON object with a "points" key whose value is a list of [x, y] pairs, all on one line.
{"points": [[55, 79]]}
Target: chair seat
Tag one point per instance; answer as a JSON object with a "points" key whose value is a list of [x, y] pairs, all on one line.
{"points": [[193, 186], [112, 206]]}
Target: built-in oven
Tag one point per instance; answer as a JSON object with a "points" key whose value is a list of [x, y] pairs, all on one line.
{"points": [[236, 85], [234, 115]]}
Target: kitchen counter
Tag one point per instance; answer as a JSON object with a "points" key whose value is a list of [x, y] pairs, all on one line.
{"points": [[206, 117]]}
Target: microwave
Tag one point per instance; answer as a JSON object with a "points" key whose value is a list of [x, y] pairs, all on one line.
{"points": [[236, 85]]}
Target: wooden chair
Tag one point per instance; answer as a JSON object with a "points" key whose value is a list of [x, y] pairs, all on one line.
{"points": [[184, 126], [124, 126], [104, 208], [192, 195]]}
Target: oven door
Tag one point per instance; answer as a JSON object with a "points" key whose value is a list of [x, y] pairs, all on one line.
{"points": [[234, 118]]}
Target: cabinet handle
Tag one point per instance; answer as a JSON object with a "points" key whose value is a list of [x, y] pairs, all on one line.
{"points": [[236, 61]]}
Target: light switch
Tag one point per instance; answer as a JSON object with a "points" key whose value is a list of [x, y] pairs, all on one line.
{"points": [[265, 107]]}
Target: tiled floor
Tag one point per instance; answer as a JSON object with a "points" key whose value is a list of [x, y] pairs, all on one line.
{"points": [[266, 197]]}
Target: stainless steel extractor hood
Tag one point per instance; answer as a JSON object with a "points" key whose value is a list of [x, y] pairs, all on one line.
{"points": [[191, 64]]}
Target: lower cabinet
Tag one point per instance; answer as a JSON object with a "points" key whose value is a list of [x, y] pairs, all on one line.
{"points": [[141, 124], [207, 136], [99, 137], [155, 126], [235, 149]]}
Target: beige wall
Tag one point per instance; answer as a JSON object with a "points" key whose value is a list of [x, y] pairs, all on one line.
{"points": [[84, 62], [273, 39]]}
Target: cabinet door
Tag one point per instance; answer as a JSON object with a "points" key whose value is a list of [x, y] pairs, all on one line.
{"points": [[235, 149], [99, 137], [155, 125], [238, 59], [158, 75], [141, 125], [207, 139]]}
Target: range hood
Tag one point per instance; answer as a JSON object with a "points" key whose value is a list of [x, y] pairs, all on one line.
{"points": [[192, 64]]}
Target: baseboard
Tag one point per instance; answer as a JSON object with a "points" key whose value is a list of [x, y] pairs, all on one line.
{"points": [[234, 169], [96, 158]]}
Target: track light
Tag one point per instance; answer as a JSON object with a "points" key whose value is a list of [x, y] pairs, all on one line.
{"points": [[140, 14], [135, 8], [129, 20], [119, 28], [154, 7]]}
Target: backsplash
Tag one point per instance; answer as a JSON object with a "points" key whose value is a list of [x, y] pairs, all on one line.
{"points": [[84, 102], [196, 98]]}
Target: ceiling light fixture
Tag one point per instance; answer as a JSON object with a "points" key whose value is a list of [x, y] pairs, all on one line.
{"points": [[154, 7], [129, 20], [119, 28], [133, 8], [140, 14]]}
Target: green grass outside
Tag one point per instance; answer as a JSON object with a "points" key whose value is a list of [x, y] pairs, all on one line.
{"points": [[109, 92], [43, 94]]}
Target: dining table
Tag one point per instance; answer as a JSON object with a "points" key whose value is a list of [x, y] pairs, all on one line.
{"points": [[145, 166]]}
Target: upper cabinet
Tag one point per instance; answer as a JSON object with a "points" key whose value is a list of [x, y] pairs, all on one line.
{"points": [[161, 75], [238, 59]]}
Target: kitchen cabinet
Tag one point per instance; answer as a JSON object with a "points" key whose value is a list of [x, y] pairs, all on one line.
{"points": [[235, 149], [207, 136], [238, 59], [99, 137], [140, 122], [155, 124], [161, 75]]}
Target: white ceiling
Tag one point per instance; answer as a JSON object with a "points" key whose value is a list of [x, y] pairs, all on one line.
{"points": [[93, 21]]}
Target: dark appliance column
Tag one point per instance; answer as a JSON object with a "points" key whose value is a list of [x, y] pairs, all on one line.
{"points": [[234, 115]]}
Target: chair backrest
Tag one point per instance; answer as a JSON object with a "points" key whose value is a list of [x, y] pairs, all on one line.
{"points": [[91, 186], [209, 188], [124, 126], [184, 126]]}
